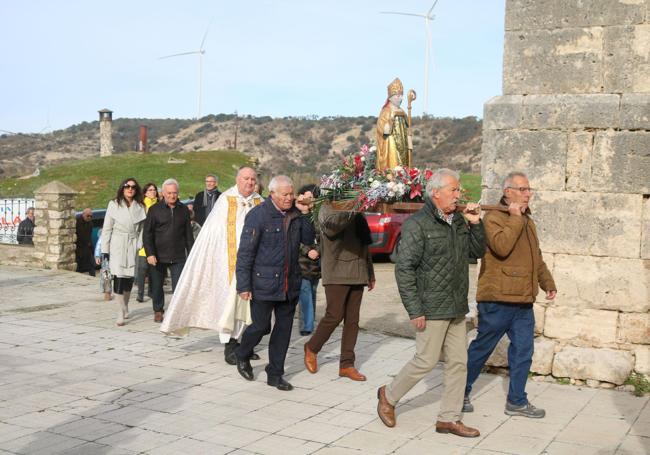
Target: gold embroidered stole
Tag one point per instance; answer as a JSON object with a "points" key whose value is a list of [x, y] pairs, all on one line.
{"points": [[232, 234]]}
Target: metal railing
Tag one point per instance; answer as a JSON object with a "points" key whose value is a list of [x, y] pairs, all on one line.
{"points": [[12, 212]]}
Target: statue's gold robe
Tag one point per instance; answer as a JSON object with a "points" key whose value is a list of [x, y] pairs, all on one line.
{"points": [[392, 149]]}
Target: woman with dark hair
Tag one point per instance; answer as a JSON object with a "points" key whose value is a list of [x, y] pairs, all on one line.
{"points": [[121, 237], [150, 192]]}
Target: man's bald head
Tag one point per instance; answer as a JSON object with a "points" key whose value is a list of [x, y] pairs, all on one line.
{"points": [[245, 180]]}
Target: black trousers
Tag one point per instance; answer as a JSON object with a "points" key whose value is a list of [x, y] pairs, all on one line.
{"points": [[157, 275], [261, 311]]}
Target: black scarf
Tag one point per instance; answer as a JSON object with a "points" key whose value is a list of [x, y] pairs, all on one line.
{"points": [[362, 229]]}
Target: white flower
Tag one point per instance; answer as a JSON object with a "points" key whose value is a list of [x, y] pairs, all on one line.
{"points": [[372, 149], [363, 158], [397, 168], [391, 194], [390, 186], [375, 184]]}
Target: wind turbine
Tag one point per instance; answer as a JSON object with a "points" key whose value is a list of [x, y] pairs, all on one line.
{"points": [[200, 53], [427, 47]]}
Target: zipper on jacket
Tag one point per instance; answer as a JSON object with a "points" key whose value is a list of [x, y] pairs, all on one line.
{"points": [[532, 258]]}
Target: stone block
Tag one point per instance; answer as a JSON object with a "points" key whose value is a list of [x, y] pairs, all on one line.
{"points": [[578, 161], [553, 61], [503, 112], [40, 204], [604, 283], [535, 14], [540, 154], [627, 59], [499, 357], [543, 356], [588, 223], [645, 229], [594, 327], [40, 230], [540, 311], [588, 363], [621, 162], [634, 328], [642, 360], [571, 111], [635, 111]]}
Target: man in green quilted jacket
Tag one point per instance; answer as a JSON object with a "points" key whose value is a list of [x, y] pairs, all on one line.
{"points": [[432, 276]]}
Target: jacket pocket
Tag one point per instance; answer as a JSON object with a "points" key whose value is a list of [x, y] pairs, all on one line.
{"points": [[437, 244], [266, 280], [515, 280]]}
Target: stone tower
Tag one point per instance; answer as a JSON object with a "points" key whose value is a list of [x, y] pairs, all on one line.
{"points": [[575, 116], [105, 132]]}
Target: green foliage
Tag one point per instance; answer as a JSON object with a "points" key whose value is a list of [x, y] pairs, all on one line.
{"points": [[471, 183], [563, 381], [640, 382], [96, 179]]}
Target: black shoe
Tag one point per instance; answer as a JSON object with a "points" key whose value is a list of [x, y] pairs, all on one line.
{"points": [[279, 383], [229, 352], [304, 333], [255, 356], [231, 359], [245, 369], [139, 299]]}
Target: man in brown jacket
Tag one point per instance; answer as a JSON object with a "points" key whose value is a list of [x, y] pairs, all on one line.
{"points": [[346, 267], [512, 271]]}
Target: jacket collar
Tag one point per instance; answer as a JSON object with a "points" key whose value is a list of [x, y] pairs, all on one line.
{"points": [[432, 210]]}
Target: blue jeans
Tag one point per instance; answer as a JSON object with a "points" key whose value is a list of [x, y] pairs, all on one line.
{"points": [[494, 320], [308, 304]]}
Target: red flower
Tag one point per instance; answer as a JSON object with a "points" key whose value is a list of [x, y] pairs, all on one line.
{"points": [[416, 190], [414, 172], [427, 174]]}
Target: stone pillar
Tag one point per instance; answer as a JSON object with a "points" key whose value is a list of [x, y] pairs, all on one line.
{"points": [[575, 116], [54, 235], [105, 132]]}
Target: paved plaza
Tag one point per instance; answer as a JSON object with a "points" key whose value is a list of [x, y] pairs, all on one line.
{"points": [[74, 383]]}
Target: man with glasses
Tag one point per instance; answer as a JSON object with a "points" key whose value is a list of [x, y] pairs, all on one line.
{"points": [[511, 273], [205, 200]]}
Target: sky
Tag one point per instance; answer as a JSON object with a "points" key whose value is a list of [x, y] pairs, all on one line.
{"points": [[62, 61]]}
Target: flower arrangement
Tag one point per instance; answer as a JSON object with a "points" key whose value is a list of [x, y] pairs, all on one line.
{"points": [[358, 180]]}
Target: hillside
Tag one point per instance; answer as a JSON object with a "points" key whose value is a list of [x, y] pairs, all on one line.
{"points": [[307, 145], [96, 179]]}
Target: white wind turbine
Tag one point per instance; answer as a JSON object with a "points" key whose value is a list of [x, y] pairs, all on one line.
{"points": [[200, 53], [427, 47]]}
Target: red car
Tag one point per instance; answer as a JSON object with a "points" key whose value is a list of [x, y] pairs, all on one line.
{"points": [[385, 229]]}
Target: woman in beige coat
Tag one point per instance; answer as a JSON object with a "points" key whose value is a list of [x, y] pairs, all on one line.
{"points": [[121, 239]]}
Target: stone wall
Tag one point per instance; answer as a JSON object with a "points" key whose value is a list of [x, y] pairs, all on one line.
{"points": [[575, 116], [54, 234]]}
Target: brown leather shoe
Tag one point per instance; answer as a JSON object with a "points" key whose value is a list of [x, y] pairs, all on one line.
{"points": [[158, 316], [311, 361], [352, 373], [458, 428], [385, 410]]}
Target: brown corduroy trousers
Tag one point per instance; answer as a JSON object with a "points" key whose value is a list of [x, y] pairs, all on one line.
{"points": [[343, 304]]}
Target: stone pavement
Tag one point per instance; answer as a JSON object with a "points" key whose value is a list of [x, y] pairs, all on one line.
{"points": [[73, 383]]}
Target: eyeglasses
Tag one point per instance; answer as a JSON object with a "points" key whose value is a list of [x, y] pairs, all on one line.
{"points": [[127, 185], [522, 189]]}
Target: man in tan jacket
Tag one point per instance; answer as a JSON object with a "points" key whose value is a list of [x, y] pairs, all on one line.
{"points": [[512, 271]]}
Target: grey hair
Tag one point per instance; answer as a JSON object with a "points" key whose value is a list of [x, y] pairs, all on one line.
{"points": [[170, 182], [437, 179], [510, 177], [279, 180], [213, 176]]}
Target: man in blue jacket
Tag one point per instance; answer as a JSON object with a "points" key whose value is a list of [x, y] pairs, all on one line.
{"points": [[268, 274]]}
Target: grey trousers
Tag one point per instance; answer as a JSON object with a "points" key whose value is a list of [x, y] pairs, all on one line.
{"points": [[441, 338]]}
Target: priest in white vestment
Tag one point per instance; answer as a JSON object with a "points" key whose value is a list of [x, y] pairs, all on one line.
{"points": [[206, 295]]}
